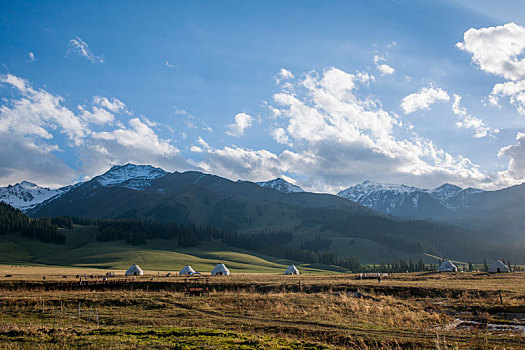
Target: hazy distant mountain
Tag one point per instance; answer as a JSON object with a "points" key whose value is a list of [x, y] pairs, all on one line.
{"points": [[281, 185], [26, 195], [407, 201]]}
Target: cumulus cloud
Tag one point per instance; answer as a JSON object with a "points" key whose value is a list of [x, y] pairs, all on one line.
{"points": [[515, 172], [336, 137], [22, 159], [81, 48], [31, 122], [283, 74], [497, 50], [467, 121], [423, 99], [38, 112], [240, 163], [383, 68], [242, 122], [135, 143]]}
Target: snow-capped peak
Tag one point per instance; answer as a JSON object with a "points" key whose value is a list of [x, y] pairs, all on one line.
{"points": [[26, 195], [445, 192], [405, 200], [281, 185], [359, 191], [130, 175]]}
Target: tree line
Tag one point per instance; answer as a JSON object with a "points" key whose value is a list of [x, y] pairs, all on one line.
{"points": [[13, 220]]}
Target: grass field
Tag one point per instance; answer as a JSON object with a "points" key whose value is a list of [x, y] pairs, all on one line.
{"points": [[82, 250], [256, 311]]}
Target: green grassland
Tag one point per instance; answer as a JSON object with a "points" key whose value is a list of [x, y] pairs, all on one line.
{"points": [[83, 250]]}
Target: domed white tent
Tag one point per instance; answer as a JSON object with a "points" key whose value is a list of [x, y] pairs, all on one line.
{"points": [[134, 270], [220, 270], [187, 270], [291, 270], [498, 266], [447, 266]]}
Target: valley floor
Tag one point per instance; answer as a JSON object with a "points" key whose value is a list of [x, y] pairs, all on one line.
{"points": [[254, 311]]}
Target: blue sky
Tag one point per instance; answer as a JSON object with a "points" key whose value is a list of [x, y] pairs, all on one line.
{"points": [[323, 93]]}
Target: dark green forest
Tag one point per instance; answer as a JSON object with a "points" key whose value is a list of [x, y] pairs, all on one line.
{"points": [[13, 220]]}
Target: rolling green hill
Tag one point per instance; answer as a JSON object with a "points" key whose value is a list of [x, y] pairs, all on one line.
{"points": [[83, 250]]}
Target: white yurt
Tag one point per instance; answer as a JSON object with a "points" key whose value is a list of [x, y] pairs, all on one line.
{"points": [[220, 270], [291, 270], [447, 266], [134, 270], [498, 266], [187, 270]]}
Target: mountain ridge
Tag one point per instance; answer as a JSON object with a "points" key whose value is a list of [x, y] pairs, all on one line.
{"points": [[408, 201]]}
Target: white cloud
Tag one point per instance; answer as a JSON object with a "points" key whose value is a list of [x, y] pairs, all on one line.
{"points": [[335, 137], [423, 99], [240, 163], [467, 121], [242, 121], [32, 57], [22, 159], [515, 91], [497, 50], [279, 134], [385, 69], [81, 48], [283, 74], [29, 125], [38, 112], [115, 105], [515, 172]]}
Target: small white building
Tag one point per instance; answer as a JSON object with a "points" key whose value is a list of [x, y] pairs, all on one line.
{"points": [[134, 270], [447, 266], [220, 270], [291, 270], [498, 266], [187, 270]]}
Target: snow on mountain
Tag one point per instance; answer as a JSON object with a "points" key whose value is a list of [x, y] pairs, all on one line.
{"points": [[281, 185], [132, 176], [383, 197], [445, 192], [409, 201], [26, 195]]}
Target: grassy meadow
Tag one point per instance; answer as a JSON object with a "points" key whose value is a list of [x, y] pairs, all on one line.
{"points": [[256, 311], [83, 250]]}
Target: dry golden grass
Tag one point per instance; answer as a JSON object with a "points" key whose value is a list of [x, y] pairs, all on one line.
{"points": [[267, 311]]}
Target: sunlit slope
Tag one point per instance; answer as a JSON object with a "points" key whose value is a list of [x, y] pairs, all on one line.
{"points": [[82, 250]]}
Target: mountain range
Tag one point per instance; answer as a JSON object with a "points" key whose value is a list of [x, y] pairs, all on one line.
{"points": [[412, 202], [384, 219]]}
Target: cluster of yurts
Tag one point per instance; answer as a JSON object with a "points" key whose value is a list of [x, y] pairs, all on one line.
{"points": [[496, 267], [218, 270]]}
